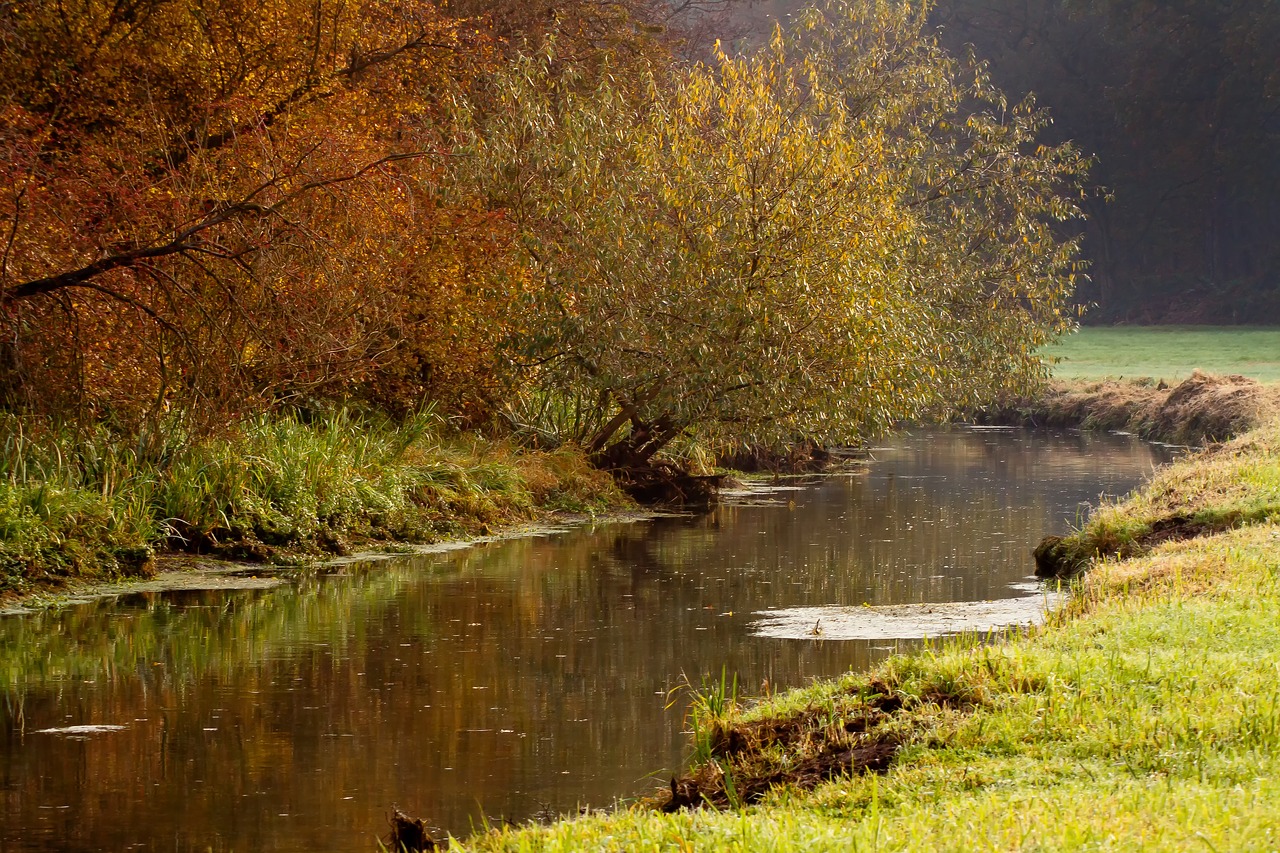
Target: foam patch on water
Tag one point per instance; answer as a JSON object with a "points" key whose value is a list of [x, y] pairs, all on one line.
{"points": [[80, 730], [904, 621]]}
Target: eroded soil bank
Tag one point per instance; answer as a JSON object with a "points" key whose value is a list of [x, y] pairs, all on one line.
{"points": [[1222, 487]]}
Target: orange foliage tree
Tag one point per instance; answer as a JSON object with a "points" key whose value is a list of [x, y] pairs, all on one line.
{"points": [[208, 206]]}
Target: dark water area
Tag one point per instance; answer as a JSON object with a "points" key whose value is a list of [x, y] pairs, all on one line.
{"points": [[518, 677]]}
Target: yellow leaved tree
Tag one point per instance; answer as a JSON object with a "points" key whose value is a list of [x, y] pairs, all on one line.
{"points": [[816, 240]]}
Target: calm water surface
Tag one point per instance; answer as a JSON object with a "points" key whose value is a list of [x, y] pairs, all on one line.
{"points": [[503, 680]]}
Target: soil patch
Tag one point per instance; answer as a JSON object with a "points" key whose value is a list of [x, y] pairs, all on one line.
{"points": [[802, 750], [710, 787]]}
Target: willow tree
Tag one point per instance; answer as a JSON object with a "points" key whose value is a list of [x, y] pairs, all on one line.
{"points": [[842, 230]]}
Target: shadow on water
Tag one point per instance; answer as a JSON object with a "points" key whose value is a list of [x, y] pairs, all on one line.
{"points": [[501, 680]]}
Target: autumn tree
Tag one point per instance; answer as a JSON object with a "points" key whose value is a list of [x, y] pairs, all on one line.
{"points": [[622, 29], [209, 204], [840, 231]]}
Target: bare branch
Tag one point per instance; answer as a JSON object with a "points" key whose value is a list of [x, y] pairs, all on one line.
{"points": [[183, 241]]}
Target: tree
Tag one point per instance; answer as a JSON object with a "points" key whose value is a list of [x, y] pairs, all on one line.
{"points": [[623, 29], [195, 195], [835, 233]]}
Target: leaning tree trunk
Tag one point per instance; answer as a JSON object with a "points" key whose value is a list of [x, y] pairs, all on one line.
{"points": [[631, 460]]}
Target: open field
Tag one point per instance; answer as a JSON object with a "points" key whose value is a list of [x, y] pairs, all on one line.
{"points": [[1168, 352], [1144, 717]]}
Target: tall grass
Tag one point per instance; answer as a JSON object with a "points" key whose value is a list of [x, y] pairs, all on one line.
{"points": [[70, 505], [92, 504]]}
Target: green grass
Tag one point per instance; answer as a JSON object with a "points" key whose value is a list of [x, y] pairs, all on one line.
{"points": [[1144, 717], [94, 506], [1168, 352]]}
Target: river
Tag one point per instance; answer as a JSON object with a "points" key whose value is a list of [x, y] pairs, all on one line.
{"points": [[523, 677]]}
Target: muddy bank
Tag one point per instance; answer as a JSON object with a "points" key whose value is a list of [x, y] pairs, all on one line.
{"points": [[1218, 488], [1067, 557], [1202, 409]]}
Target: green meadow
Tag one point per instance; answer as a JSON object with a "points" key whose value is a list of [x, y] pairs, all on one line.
{"points": [[1168, 352]]}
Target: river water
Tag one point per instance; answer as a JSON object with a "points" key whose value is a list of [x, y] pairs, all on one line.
{"points": [[499, 682]]}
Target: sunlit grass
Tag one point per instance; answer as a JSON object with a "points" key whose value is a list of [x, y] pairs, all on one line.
{"points": [[1168, 352], [74, 505], [1226, 486]]}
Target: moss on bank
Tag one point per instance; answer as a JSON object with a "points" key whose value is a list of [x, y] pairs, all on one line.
{"points": [[75, 507], [1144, 716]]}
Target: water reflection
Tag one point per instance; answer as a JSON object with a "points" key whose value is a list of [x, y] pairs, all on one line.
{"points": [[494, 681]]}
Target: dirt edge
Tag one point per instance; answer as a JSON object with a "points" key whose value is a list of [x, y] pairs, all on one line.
{"points": [[748, 759]]}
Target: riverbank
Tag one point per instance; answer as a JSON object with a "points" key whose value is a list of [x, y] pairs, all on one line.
{"points": [[1144, 716], [1200, 409], [81, 509], [77, 510]]}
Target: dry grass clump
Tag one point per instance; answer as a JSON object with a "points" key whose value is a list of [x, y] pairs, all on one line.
{"points": [[564, 479], [1201, 409]]}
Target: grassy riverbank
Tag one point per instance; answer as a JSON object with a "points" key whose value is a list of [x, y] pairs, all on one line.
{"points": [[1145, 716], [77, 507], [1199, 409]]}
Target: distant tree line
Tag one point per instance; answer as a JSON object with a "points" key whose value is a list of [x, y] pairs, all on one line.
{"points": [[1180, 102]]}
